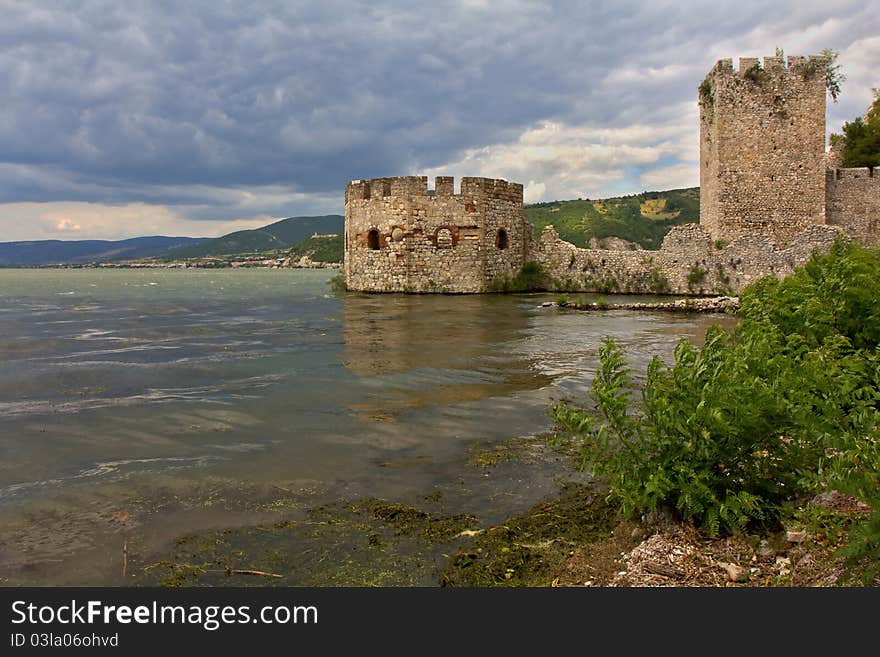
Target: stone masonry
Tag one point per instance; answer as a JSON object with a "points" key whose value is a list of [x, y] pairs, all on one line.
{"points": [[762, 148], [769, 196], [399, 237], [852, 201]]}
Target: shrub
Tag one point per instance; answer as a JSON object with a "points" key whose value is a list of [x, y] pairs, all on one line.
{"points": [[531, 278], [696, 275], [337, 283], [785, 404], [659, 282]]}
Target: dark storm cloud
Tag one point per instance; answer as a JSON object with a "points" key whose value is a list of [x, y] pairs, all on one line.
{"points": [[164, 102]]}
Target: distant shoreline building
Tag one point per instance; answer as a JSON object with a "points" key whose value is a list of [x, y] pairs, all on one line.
{"points": [[769, 196]]}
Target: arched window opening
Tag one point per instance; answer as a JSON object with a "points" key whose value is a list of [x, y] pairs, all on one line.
{"points": [[373, 240], [444, 238], [501, 239]]}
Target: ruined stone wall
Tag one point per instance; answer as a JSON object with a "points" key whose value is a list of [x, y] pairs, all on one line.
{"points": [[399, 237], [852, 201], [762, 148], [687, 262]]}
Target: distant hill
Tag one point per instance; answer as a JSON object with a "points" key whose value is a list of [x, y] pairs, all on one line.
{"points": [[643, 218], [62, 252], [323, 248], [278, 236]]}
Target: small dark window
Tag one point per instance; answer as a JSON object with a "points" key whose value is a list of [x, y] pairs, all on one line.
{"points": [[501, 239], [373, 240]]}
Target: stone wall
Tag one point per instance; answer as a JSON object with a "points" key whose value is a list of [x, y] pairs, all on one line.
{"points": [[767, 200], [687, 262], [852, 201], [399, 237], [762, 148]]}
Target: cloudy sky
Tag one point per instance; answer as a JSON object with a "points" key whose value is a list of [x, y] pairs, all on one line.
{"points": [[137, 118]]}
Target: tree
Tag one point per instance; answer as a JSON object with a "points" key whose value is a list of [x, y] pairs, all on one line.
{"points": [[833, 75], [862, 146]]}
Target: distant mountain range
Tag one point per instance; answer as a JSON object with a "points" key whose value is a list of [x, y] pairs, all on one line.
{"points": [[643, 218], [280, 235], [77, 252]]}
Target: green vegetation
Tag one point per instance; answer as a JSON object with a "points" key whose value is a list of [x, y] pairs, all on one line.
{"points": [[696, 276], [642, 218], [659, 282], [528, 550], [833, 74], [737, 433], [278, 236], [531, 278], [338, 284], [862, 146], [756, 73], [367, 542], [706, 95], [321, 248]]}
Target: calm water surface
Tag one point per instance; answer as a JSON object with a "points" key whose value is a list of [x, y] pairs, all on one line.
{"points": [[118, 387]]}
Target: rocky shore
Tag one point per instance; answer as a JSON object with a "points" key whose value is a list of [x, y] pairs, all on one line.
{"points": [[699, 305]]}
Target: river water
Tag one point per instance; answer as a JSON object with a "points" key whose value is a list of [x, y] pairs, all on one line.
{"points": [[129, 398]]}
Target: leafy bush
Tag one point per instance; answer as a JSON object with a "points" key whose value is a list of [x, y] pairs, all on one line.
{"points": [[531, 278], [696, 275], [862, 146], [338, 284], [659, 282], [785, 404]]}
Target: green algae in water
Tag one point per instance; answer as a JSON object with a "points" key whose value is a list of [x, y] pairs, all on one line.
{"points": [[527, 550], [369, 542]]}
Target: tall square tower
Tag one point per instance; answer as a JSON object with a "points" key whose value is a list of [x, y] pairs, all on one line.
{"points": [[762, 147]]}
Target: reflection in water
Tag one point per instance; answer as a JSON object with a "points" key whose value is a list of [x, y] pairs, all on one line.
{"points": [[122, 388], [431, 350]]}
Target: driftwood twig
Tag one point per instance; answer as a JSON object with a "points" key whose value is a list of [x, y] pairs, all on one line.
{"points": [[237, 571]]}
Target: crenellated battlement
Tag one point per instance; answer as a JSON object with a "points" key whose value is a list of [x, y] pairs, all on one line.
{"points": [[416, 186], [748, 66], [769, 196], [762, 147], [852, 173]]}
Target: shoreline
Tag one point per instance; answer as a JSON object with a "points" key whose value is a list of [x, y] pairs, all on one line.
{"points": [[690, 305]]}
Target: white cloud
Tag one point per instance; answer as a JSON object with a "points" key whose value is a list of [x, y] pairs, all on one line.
{"points": [[66, 220], [671, 177], [562, 161], [533, 192], [66, 225], [256, 110]]}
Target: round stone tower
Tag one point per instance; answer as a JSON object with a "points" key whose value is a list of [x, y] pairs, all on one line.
{"points": [[401, 237]]}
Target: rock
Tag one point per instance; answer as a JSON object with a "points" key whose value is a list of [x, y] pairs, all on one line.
{"points": [[783, 565], [734, 572], [661, 519], [839, 502], [764, 549], [795, 536], [806, 562]]}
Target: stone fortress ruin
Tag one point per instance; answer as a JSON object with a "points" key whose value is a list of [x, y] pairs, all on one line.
{"points": [[769, 196]]}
